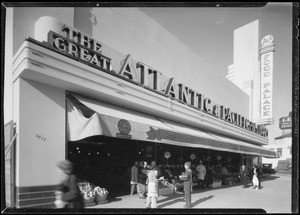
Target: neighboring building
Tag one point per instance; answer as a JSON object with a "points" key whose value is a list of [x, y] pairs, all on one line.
{"points": [[244, 72], [283, 146], [105, 86]]}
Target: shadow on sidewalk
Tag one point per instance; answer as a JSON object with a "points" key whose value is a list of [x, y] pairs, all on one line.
{"points": [[182, 200], [236, 184], [170, 197], [172, 202], [217, 188], [201, 200]]}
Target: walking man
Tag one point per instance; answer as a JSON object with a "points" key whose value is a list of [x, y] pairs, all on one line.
{"points": [[259, 174], [187, 178]]}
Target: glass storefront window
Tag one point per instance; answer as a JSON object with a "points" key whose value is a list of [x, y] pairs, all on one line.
{"points": [[146, 151], [106, 161]]}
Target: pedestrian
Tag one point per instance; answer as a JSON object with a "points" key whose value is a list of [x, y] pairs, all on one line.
{"points": [[187, 178], [154, 166], [141, 180], [244, 176], [133, 181], [68, 194], [255, 179], [250, 175], [259, 174], [152, 182], [209, 177], [201, 172]]}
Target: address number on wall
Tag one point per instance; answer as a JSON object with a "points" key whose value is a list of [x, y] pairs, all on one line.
{"points": [[40, 137]]}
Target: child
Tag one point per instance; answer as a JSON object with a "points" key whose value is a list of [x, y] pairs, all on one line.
{"points": [[152, 188]]}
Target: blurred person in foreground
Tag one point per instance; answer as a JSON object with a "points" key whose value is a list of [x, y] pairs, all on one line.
{"points": [[68, 194]]}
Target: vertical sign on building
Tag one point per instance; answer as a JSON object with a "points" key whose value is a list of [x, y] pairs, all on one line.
{"points": [[266, 90]]}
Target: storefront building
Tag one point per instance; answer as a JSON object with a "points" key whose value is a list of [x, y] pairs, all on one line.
{"points": [[283, 146], [112, 86]]}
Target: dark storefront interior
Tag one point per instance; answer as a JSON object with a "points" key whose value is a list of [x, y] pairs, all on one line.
{"points": [[106, 161]]}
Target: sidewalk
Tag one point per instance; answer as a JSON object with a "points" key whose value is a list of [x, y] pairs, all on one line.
{"points": [[274, 197]]}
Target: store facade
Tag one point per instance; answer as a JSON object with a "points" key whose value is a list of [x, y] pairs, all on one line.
{"points": [[76, 97]]}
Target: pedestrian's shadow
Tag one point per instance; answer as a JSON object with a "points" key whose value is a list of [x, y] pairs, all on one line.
{"points": [[174, 196], [172, 202], [182, 200], [201, 200]]}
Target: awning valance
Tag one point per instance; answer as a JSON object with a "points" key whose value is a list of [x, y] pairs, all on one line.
{"points": [[88, 117]]}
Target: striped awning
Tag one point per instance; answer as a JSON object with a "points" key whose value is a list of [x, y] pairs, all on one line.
{"points": [[88, 117]]}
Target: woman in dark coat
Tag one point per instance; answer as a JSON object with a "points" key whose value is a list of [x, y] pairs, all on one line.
{"points": [[68, 189], [187, 178], [244, 176], [209, 177]]}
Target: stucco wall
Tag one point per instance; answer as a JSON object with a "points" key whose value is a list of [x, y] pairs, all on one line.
{"points": [[41, 127]]}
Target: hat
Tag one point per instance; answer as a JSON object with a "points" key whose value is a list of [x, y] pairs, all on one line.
{"points": [[66, 166]]}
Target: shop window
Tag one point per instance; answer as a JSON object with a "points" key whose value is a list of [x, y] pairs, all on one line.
{"points": [[146, 151]]}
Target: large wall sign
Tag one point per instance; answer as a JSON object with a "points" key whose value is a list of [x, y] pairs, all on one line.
{"points": [[78, 45], [266, 89]]}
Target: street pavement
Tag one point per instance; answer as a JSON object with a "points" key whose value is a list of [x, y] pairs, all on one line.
{"points": [[274, 197]]}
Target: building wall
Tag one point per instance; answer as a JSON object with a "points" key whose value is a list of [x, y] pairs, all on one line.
{"points": [[130, 31], [284, 144], [41, 133], [40, 142], [7, 100]]}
